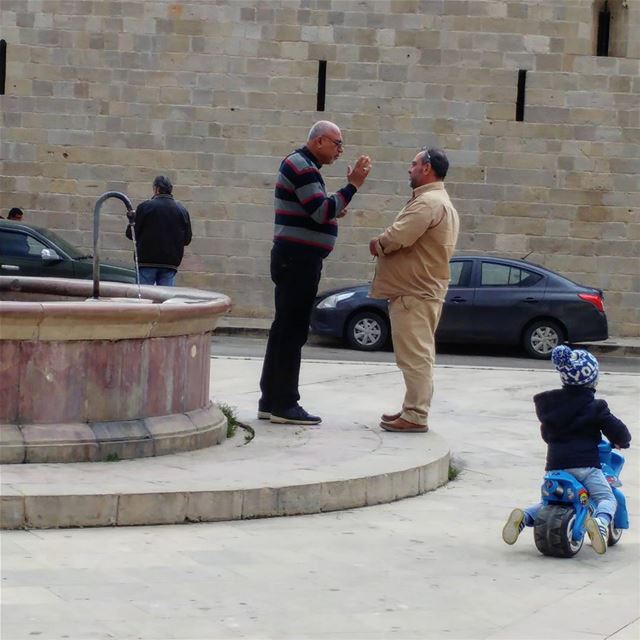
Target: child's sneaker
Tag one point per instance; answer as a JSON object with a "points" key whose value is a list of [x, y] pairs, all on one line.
{"points": [[515, 524], [598, 534]]}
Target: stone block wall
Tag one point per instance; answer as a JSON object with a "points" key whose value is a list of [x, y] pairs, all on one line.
{"points": [[106, 94]]}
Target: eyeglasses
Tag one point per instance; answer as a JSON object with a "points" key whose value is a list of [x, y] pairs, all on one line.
{"points": [[338, 143]]}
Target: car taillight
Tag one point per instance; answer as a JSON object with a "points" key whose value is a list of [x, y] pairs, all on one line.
{"points": [[594, 299]]}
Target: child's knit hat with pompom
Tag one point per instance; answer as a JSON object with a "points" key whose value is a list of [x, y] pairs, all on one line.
{"points": [[576, 368]]}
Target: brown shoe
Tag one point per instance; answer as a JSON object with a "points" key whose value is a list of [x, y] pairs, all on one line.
{"points": [[390, 417], [400, 425]]}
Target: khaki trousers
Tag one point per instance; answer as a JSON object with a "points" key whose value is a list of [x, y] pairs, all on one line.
{"points": [[413, 325]]}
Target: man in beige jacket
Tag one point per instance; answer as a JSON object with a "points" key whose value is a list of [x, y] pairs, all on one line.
{"points": [[413, 274]]}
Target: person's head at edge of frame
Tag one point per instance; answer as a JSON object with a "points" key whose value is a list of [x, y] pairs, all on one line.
{"points": [[162, 186], [325, 141], [429, 165], [15, 214]]}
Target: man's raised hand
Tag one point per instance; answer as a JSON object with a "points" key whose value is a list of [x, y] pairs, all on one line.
{"points": [[359, 173]]}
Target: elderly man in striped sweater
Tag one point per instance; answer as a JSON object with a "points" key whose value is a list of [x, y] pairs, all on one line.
{"points": [[305, 233]]}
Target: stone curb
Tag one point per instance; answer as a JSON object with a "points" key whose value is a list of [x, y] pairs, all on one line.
{"points": [[614, 350], [183, 506], [626, 348], [253, 332]]}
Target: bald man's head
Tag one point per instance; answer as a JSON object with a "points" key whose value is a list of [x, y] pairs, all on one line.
{"points": [[325, 141]]}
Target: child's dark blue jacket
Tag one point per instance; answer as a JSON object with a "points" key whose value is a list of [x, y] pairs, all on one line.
{"points": [[571, 423]]}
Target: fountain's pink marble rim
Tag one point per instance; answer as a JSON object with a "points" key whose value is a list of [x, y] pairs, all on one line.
{"points": [[165, 311]]}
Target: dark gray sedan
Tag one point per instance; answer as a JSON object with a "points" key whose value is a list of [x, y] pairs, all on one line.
{"points": [[27, 250], [490, 300]]}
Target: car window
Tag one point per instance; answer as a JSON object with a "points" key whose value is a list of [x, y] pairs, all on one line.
{"points": [[503, 275], [528, 278], [69, 249], [35, 247], [460, 272], [18, 244]]}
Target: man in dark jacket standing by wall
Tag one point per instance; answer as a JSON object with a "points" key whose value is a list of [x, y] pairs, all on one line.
{"points": [[162, 229]]}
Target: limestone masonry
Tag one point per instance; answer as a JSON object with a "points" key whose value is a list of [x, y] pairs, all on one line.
{"points": [[106, 94]]}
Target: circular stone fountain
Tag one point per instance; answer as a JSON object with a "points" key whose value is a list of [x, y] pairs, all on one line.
{"points": [[85, 379]]}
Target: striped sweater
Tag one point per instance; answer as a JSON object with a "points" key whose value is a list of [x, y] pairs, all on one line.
{"points": [[305, 214]]}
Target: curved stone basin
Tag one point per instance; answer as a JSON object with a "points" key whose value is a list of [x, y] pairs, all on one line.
{"points": [[84, 379]]}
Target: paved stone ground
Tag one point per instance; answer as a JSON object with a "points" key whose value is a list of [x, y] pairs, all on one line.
{"points": [[427, 567]]}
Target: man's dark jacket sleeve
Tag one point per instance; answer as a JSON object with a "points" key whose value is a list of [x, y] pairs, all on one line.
{"points": [[187, 235], [138, 223]]}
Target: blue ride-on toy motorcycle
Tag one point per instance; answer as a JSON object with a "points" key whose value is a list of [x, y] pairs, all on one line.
{"points": [[559, 526]]}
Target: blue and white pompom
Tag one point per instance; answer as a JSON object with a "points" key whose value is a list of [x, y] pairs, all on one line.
{"points": [[578, 368]]}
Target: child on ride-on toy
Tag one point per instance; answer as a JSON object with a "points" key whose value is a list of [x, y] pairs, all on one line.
{"points": [[571, 423]]}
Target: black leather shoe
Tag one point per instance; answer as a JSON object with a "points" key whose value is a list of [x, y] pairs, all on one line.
{"points": [[295, 415]]}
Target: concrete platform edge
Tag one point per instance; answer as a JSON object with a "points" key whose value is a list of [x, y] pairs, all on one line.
{"points": [[177, 507]]}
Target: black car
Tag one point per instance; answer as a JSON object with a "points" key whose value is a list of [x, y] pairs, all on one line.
{"points": [[490, 300], [27, 250]]}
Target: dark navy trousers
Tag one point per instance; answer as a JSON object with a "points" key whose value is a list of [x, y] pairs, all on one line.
{"points": [[296, 276]]}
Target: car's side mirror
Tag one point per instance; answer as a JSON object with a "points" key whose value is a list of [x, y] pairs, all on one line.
{"points": [[49, 255]]}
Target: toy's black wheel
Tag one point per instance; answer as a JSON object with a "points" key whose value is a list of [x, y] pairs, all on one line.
{"points": [[614, 535], [552, 532]]}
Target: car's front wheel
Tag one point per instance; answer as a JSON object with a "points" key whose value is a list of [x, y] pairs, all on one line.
{"points": [[541, 337], [367, 331]]}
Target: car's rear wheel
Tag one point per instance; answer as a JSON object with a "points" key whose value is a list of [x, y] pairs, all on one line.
{"points": [[541, 337], [367, 331]]}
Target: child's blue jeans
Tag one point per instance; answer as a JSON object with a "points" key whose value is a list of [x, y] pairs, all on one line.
{"points": [[599, 491]]}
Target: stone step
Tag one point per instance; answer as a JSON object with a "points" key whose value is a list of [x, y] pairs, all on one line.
{"points": [[284, 470]]}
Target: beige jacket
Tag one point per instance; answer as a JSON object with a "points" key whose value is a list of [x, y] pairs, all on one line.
{"points": [[414, 252]]}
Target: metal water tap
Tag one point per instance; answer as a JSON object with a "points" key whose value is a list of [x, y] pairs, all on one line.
{"points": [[96, 233]]}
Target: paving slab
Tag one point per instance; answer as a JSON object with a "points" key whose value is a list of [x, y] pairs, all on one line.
{"points": [[429, 567]]}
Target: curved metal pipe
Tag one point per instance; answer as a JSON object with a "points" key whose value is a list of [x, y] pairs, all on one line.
{"points": [[96, 233]]}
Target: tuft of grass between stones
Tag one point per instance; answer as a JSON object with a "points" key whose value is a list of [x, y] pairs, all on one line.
{"points": [[454, 471], [232, 420], [233, 423]]}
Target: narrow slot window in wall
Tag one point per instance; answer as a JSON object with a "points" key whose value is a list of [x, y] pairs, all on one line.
{"points": [[522, 84], [3, 65], [322, 84], [604, 28]]}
